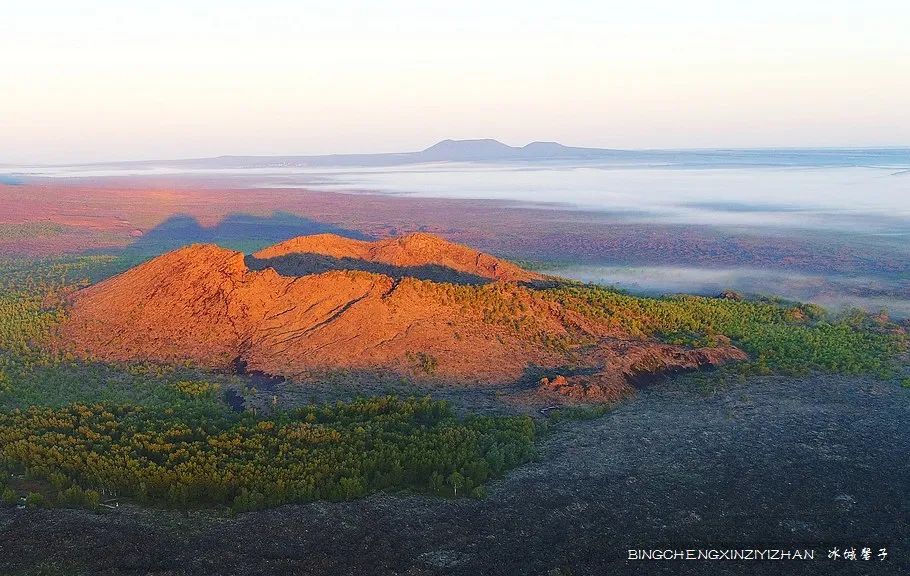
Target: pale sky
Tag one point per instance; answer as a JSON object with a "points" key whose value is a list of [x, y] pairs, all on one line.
{"points": [[111, 80]]}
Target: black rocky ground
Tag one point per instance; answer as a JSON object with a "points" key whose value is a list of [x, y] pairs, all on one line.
{"points": [[816, 462]]}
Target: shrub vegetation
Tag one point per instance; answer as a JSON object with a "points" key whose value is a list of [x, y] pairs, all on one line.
{"points": [[777, 335], [333, 452]]}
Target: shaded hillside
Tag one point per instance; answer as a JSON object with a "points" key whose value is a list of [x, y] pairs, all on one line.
{"points": [[419, 255], [239, 231], [204, 305]]}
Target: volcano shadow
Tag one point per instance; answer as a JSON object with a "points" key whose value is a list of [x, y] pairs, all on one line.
{"points": [[305, 264], [243, 232]]}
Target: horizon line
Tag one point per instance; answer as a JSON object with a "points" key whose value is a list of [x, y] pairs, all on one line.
{"points": [[464, 140]]}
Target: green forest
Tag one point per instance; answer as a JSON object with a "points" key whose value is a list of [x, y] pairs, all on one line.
{"points": [[333, 452]]}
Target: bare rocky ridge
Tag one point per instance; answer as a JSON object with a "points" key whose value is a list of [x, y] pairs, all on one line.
{"points": [[203, 304]]}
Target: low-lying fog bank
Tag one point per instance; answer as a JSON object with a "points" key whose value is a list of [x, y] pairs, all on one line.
{"points": [[836, 293]]}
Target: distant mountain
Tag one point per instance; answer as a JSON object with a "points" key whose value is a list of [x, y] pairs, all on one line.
{"points": [[479, 150], [489, 150], [493, 150], [449, 150]]}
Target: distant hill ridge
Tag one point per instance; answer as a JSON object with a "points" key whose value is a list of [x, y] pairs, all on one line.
{"points": [[490, 150], [481, 149], [475, 150]]}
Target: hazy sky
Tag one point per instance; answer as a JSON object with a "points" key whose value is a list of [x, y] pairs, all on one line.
{"points": [[98, 80]]}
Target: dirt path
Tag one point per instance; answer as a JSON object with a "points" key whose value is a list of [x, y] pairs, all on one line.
{"points": [[816, 462]]}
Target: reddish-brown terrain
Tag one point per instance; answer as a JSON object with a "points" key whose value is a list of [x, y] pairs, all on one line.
{"points": [[83, 214], [203, 304]]}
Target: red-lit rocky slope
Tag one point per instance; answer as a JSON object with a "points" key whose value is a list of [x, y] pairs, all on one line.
{"points": [[203, 304]]}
